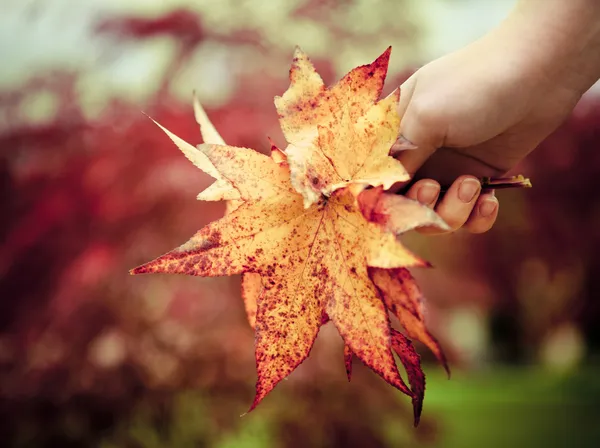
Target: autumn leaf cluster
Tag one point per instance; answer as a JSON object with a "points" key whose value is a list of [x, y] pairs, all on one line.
{"points": [[313, 231]]}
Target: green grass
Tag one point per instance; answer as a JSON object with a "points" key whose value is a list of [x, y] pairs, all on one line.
{"points": [[516, 408], [498, 408]]}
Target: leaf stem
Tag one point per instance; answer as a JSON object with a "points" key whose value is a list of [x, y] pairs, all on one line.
{"points": [[499, 183]]}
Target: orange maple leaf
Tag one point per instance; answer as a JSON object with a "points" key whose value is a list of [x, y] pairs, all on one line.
{"points": [[307, 233], [341, 135]]}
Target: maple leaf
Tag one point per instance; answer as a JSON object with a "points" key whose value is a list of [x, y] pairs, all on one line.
{"points": [[305, 234], [340, 135], [411, 361], [397, 287], [403, 298], [222, 188]]}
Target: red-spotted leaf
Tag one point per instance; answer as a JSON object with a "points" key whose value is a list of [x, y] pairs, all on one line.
{"points": [[403, 298], [301, 233], [341, 135], [310, 261], [411, 361], [396, 213]]}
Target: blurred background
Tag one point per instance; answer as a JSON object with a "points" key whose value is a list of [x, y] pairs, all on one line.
{"points": [[89, 188]]}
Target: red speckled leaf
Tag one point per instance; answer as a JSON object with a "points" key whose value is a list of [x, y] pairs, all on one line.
{"points": [[311, 261], [308, 103], [411, 361], [396, 213], [403, 298], [252, 287], [305, 246], [340, 135]]}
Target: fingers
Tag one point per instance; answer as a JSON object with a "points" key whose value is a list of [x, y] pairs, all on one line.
{"points": [[484, 214], [463, 205], [426, 191]]}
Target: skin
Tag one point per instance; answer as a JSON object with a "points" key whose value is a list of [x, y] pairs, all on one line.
{"points": [[480, 110]]}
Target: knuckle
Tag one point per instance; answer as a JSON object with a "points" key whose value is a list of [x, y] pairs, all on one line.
{"points": [[425, 112]]}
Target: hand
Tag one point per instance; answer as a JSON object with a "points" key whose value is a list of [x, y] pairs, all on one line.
{"points": [[470, 113], [479, 111], [463, 205]]}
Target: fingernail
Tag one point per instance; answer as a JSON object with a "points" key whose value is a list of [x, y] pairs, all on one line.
{"points": [[405, 143], [401, 144], [488, 207], [468, 189], [428, 193]]}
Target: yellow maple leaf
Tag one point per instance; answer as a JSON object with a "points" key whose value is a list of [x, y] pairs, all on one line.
{"points": [[305, 240], [341, 135]]}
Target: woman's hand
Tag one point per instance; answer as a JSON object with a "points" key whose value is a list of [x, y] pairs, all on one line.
{"points": [[479, 111]]}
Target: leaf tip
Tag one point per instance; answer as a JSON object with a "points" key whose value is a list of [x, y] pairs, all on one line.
{"points": [[298, 52], [417, 408], [258, 397], [348, 355], [139, 270], [446, 368], [384, 58], [276, 154]]}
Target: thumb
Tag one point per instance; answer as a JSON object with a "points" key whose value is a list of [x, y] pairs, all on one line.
{"points": [[420, 135]]}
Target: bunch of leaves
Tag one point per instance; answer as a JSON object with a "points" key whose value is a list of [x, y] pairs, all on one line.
{"points": [[314, 232], [65, 191]]}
